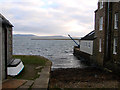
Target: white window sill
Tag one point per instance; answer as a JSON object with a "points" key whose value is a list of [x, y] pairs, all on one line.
{"points": [[114, 53], [116, 28], [101, 7]]}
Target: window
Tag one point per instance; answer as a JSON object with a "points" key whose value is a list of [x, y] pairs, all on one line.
{"points": [[100, 46], [86, 44], [101, 4], [116, 21], [101, 24], [115, 46], [89, 45]]}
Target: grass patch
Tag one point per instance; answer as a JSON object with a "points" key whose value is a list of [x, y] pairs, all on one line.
{"points": [[30, 63], [31, 59]]}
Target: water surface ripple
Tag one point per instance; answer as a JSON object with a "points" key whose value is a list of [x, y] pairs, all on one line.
{"points": [[60, 52]]}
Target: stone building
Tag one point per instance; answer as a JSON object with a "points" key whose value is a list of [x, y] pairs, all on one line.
{"points": [[85, 51], [86, 46], [5, 45], [107, 33]]}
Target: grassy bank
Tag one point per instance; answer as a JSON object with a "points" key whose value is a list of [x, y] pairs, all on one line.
{"points": [[38, 60], [33, 66]]}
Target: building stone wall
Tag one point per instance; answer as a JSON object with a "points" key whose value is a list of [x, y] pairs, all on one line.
{"points": [[107, 58], [99, 56], [5, 45], [3, 54], [119, 32], [115, 32], [4, 62], [9, 44], [80, 54], [114, 61], [0, 53]]}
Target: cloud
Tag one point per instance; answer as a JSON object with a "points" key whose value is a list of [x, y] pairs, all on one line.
{"points": [[50, 17]]}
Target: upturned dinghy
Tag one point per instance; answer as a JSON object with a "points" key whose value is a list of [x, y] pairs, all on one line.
{"points": [[14, 67]]}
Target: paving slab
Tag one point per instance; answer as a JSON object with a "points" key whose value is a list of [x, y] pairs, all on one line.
{"points": [[29, 83], [45, 75], [49, 63], [13, 83], [40, 83], [47, 69], [43, 80], [40, 87], [23, 87]]}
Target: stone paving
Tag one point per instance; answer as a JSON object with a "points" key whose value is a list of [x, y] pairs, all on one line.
{"points": [[43, 80], [26, 85], [40, 83], [11, 84]]}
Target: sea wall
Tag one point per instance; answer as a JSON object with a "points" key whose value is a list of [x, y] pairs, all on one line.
{"points": [[80, 54], [88, 59]]}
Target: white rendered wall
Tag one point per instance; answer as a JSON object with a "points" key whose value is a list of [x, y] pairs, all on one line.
{"points": [[86, 46]]}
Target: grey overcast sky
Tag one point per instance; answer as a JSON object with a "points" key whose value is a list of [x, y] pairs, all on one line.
{"points": [[50, 17]]}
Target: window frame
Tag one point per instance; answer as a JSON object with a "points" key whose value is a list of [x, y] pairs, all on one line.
{"points": [[100, 45], [101, 24], [115, 46], [101, 4], [116, 21], [89, 45]]}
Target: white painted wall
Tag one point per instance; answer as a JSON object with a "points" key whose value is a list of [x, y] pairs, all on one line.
{"points": [[86, 46]]}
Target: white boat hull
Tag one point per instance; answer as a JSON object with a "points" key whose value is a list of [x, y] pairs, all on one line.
{"points": [[13, 71]]}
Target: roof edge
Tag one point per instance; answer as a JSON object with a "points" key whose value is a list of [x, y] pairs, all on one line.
{"points": [[4, 21]]}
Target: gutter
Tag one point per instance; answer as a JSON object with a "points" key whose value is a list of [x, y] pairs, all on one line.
{"points": [[107, 29], [107, 49]]}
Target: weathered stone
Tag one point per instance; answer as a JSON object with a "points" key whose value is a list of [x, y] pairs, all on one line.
{"points": [[48, 63], [5, 45], [39, 87], [38, 73], [107, 35], [39, 67], [23, 87], [29, 83], [41, 81]]}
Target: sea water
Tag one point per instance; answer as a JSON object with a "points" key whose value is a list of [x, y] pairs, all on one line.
{"points": [[60, 52]]}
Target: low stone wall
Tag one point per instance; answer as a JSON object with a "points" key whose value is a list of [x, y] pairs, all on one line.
{"points": [[114, 67], [110, 66], [80, 54], [87, 58]]}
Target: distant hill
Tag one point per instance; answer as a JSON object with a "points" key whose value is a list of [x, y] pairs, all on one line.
{"points": [[34, 37], [23, 35], [52, 38]]}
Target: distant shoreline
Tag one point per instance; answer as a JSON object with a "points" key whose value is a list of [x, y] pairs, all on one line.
{"points": [[53, 39]]}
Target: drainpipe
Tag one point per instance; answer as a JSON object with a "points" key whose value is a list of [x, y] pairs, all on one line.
{"points": [[107, 36]]}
